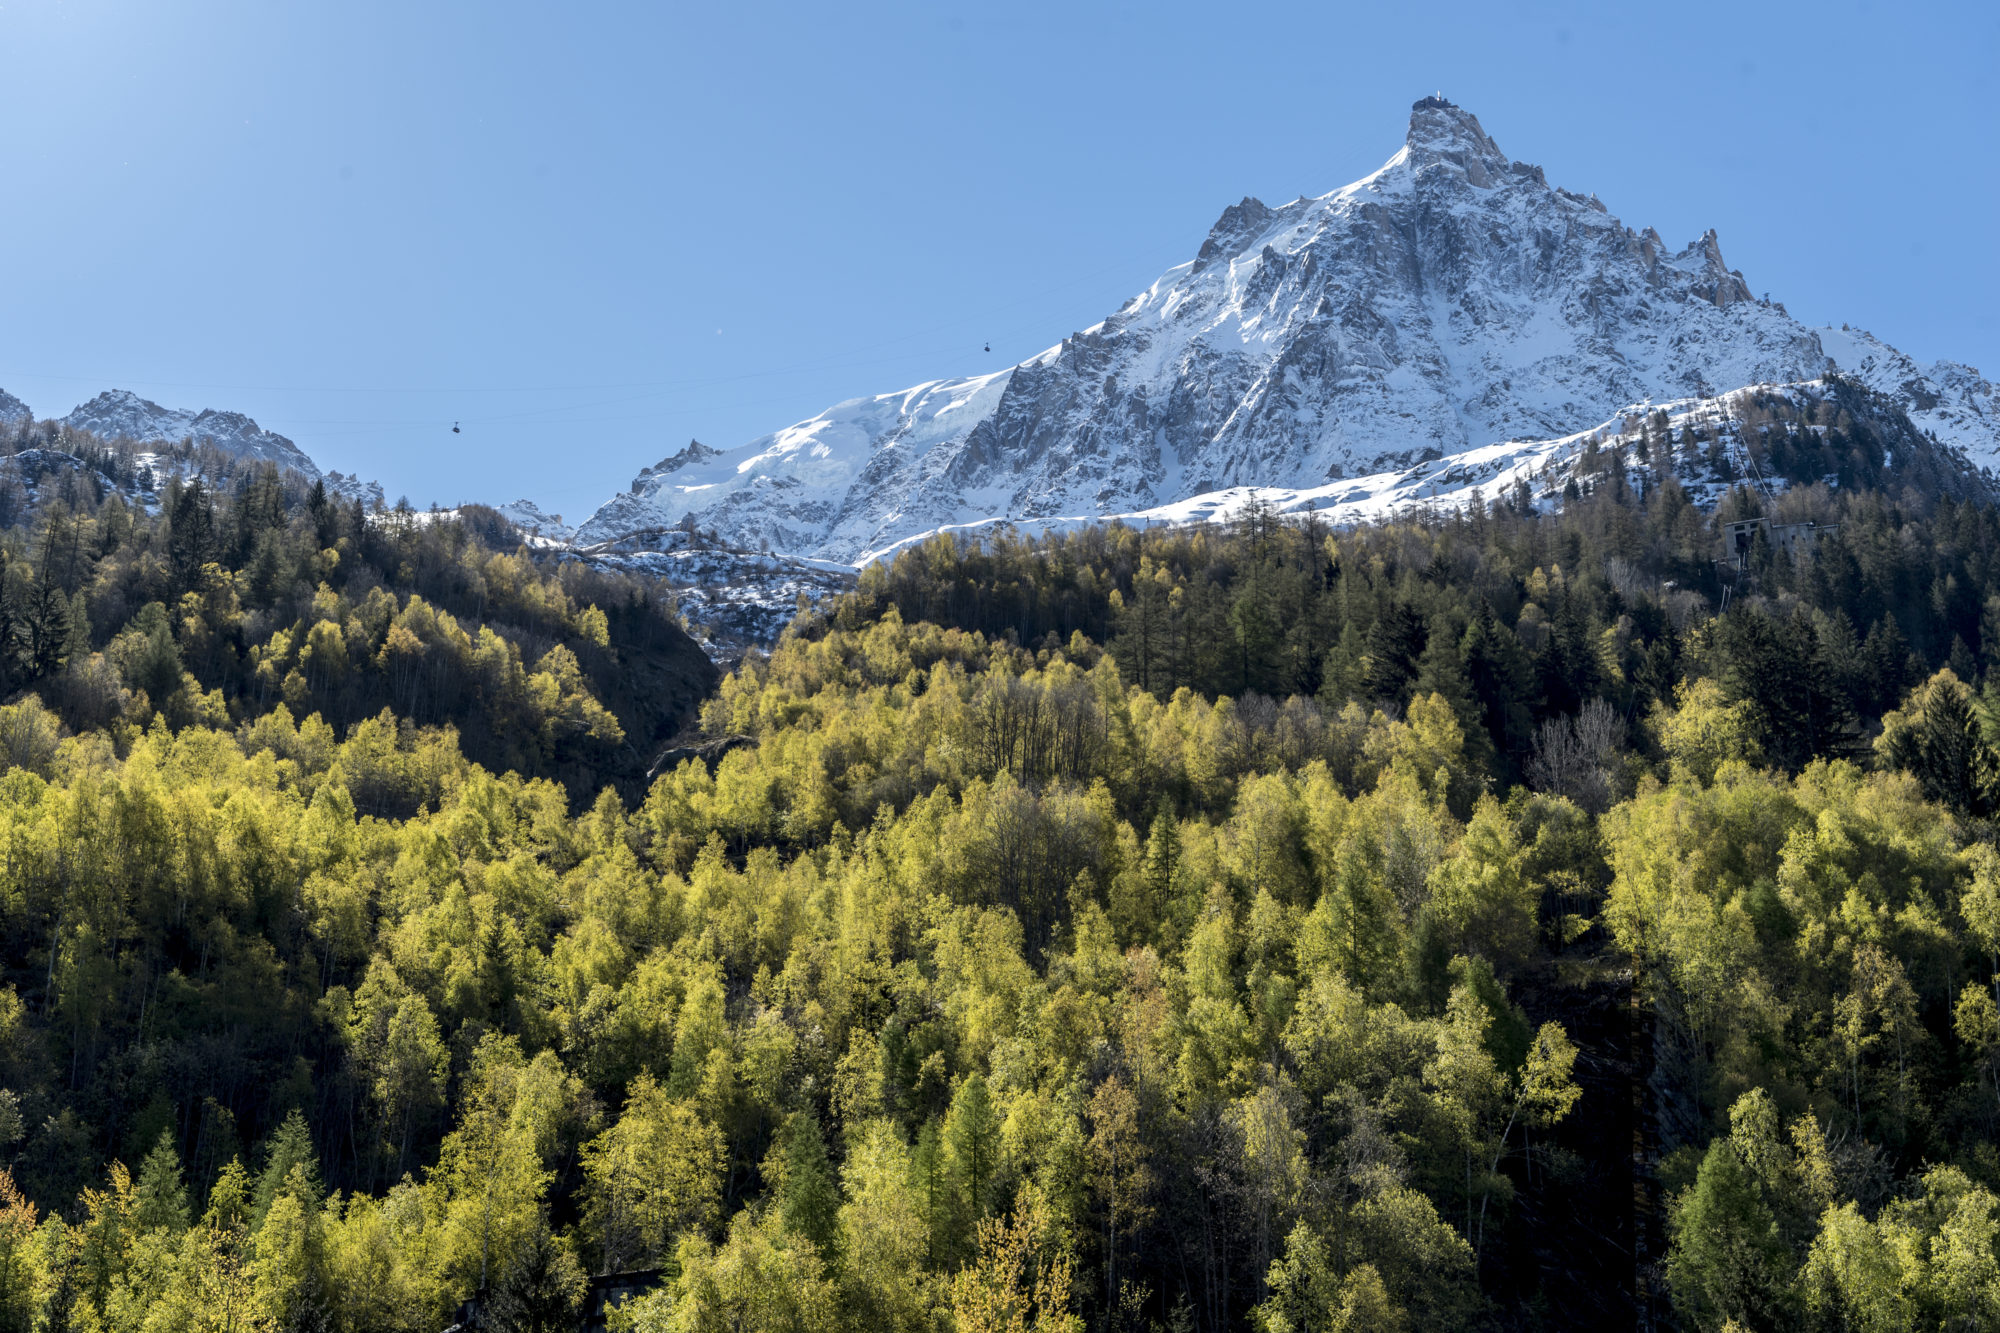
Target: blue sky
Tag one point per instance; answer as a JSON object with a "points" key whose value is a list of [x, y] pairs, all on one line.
{"points": [[591, 232]]}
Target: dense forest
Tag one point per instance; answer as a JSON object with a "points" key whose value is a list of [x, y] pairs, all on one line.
{"points": [[1456, 922], [235, 591]]}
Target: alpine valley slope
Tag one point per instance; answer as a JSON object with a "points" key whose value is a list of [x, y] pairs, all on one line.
{"points": [[1452, 316]]}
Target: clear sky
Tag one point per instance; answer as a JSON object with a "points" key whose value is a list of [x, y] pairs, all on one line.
{"points": [[590, 232]]}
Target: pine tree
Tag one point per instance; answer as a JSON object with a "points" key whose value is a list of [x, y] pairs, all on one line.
{"points": [[1783, 669], [1395, 644], [1255, 626], [808, 1200], [1441, 671], [1886, 661], [1727, 1262], [541, 1289], [972, 1152], [930, 1182], [1960, 660], [76, 643], [1157, 874], [325, 514], [160, 1199], [191, 533], [1937, 737], [1568, 663], [289, 1146]]}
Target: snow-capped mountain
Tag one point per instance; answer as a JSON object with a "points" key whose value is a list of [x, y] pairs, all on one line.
{"points": [[1451, 304], [122, 414]]}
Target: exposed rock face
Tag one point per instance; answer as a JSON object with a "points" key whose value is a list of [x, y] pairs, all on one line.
{"points": [[122, 414], [530, 518], [1451, 300], [709, 752], [696, 452]]}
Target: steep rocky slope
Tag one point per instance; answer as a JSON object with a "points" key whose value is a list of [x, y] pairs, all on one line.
{"points": [[120, 414], [1449, 305]]}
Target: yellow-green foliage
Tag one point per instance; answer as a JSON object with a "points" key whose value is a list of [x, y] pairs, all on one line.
{"points": [[1071, 975], [934, 893]]}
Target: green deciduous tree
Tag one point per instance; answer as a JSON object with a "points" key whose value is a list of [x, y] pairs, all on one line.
{"points": [[652, 1175]]}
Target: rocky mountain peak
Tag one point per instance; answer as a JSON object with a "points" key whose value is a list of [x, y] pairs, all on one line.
{"points": [[696, 452], [1237, 225], [1721, 284], [1441, 132], [1454, 306], [122, 414], [531, 518], [118, 403]]}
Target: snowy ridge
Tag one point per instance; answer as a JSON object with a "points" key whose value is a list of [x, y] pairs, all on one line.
{"points": [[529, 518], [122, 414], [1952, 401], [1355, 350], [1484, 475], [140, 483]]}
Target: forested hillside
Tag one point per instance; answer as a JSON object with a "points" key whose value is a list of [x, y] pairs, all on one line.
{"points": [[1452, 923], [224, 592]]}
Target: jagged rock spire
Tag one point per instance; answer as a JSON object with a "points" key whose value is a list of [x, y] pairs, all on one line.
{"points": [[1443, 132], [1238, 223]]}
